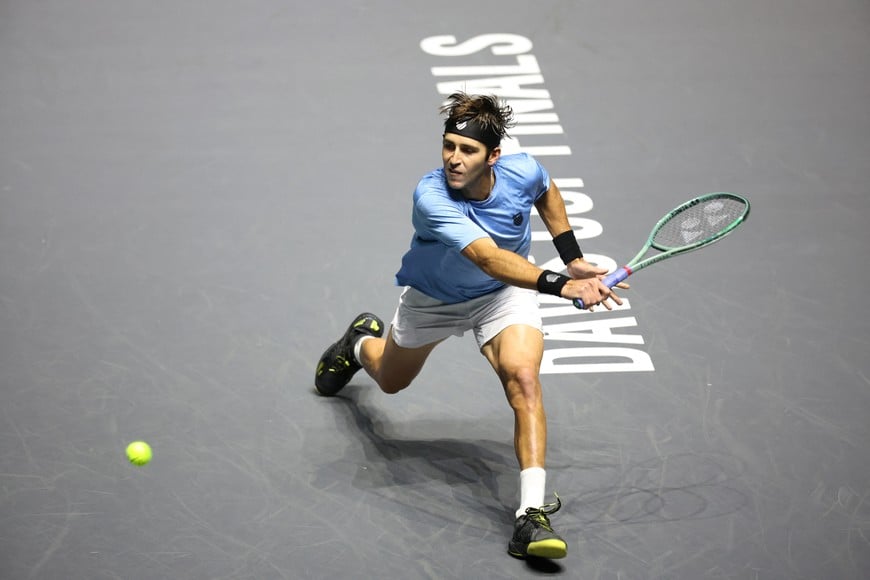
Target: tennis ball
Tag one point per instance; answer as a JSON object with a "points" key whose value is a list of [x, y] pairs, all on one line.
{"points": [[139, 453]]}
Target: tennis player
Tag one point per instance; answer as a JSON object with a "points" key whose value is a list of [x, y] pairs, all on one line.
{"points": [[467, 269]]}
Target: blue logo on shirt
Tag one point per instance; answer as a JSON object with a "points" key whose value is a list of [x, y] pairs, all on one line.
{"points": [[518, 219]]}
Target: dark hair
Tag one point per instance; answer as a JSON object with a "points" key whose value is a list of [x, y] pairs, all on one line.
{"points": [[491, 114]]}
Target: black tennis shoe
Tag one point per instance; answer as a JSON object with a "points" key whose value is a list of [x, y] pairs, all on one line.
{"points": [[533, 535], [338, 365]]}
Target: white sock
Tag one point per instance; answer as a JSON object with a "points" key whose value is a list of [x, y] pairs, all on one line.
{"points": [[357, 347], [533, 483]]}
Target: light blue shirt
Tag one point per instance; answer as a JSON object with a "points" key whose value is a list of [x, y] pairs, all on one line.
{"points": [[445, 222]]}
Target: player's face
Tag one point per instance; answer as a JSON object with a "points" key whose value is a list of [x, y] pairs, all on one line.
{"points": [[465, 161]]}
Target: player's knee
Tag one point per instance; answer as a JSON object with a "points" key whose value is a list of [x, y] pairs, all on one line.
{"points": [[392, 385], [525, 377], [523, 387]]}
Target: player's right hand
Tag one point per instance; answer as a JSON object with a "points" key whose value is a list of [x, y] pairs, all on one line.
{"points": [[592, 291]]}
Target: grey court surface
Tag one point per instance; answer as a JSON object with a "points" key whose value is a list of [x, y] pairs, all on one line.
{"points": [[196, 197]]}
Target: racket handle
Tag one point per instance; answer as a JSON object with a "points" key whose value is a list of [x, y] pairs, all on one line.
{"points": [[610, 281]]}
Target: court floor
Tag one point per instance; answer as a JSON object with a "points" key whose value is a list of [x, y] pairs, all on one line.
{"points": [[197, 197]]}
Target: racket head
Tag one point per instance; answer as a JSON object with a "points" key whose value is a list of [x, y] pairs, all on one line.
{"points": [[699, 222]]}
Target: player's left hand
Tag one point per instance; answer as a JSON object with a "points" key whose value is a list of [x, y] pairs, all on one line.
{"points": [[580, 269]]}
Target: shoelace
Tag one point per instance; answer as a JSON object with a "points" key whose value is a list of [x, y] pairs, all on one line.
{"points": [[340, 360], [540, 514]]}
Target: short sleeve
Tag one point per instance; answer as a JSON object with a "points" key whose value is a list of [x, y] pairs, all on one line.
{"points": [[436, 218]]}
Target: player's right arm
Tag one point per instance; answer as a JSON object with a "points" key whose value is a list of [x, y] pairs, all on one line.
{"points": [[513, 269]]}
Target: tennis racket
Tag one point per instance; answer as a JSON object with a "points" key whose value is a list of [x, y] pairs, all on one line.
{"points": [[695, 224]]}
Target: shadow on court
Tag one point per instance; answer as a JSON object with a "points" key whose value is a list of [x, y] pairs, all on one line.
{"points": [[482, 475]]}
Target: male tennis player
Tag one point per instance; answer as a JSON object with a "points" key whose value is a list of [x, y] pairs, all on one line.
{"points": [[467, 269]]}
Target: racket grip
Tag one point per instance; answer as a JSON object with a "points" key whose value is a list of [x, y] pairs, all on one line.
{"points": [[610, 281]]}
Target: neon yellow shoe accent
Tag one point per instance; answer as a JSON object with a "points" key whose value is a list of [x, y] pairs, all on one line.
{"points": [[552, 548], [337, 365], [374, 326]]}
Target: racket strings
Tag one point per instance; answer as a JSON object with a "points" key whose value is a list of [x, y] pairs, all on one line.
{"points": [[699, 223]]}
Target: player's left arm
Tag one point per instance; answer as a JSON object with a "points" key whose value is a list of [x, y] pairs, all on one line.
{"points": [[551, 208]]}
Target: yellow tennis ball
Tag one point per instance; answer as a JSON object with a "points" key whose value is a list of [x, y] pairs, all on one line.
{"points": [[139, 453]]}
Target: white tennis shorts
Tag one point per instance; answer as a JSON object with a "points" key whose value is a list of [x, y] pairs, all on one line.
{"points": [[421, 319]]}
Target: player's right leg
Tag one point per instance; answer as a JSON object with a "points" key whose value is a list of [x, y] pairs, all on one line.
{"points": [[390, 365], [419, 325], [338, 364]]}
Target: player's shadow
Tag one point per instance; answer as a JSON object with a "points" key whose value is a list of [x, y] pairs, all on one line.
{"points": [[395, 462], [480, 475]]}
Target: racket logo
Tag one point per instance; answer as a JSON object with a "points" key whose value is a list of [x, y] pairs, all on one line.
{"points": [[712, 215], [690, 234], [712, 209]]}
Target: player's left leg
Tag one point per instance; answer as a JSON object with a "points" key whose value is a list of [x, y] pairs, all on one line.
{"points": [[515, 354]]}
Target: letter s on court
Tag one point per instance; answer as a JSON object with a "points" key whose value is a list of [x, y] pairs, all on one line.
{"points": [[502, 44]]}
